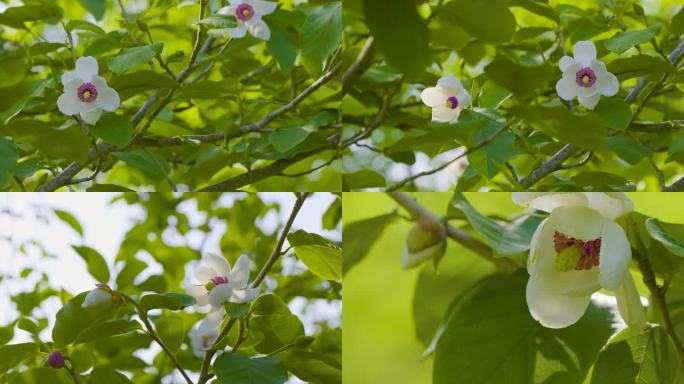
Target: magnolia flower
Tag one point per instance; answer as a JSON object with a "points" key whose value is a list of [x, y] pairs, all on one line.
{"points": [[86, 93], [576, 251], [248, 14], [585, 77], [55, 360], [447, 99], [101, 297], [426, 240], [219, 284], [203, 336]]}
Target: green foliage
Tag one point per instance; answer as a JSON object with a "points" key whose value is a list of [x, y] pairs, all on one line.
{"points": [[107, 329], [13, 354], [240, 369], [97, 266], [322, 256], [670, 235], [171, 330], [113, 129], [42, 375], [129, 58], [70, 220], [172, 301], [272, 317], [72, 320], [360, 236], [320, 35]]}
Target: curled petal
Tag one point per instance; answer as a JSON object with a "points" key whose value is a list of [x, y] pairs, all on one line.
{"points": [[86, 68], [91, 117], [610, 204], [203, 273], [551, 309], [589, 102], [463, 98], [582, 223], [629, 304], [614, 257], [244, 295], [239, 277], [548, 201], [259, 29], [219, 295], [219, 264], [450, 82], [199, 292], [237, 32], [585, 52], [262, 7], [564, 62], [531, 258], [444, 115]]}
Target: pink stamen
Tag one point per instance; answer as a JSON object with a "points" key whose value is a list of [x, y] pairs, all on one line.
{"points": [[590, 250], [87, 92], [244, 12], [218, 280], [585, 77]]}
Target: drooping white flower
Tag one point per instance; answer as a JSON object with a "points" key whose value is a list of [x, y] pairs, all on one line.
{"points": [[101, 298], [447, 99], [86, 93], [204, 334], [218, 283], [249, 18], [576, 251], [585, 77]]}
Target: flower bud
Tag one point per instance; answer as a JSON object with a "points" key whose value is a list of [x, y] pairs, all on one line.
{"points": [[101, 298], [56, 360], [426, 240]]}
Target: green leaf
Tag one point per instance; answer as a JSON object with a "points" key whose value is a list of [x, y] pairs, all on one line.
{"points": [[82, 360], [13, 354], [13, 69], [72, 320], [27, 324], [84, 26], [638, 65], [219, 21], [615, 113], [627, 149], [364, 178], [489, 159], [677, 23], [584, 131], [670, 235], [272, 317], [519, 79], [8, 158], [16, 16], [506, 239], [171, 330], [634, 356], [320, 255], [602, 181], [400, 34], [107, 329], [97, 266], [70, 219], [488, 20], [172, 301], [95, 7], [622, 41], [489, 336], [69, 143], [109, 376], [141, 81], [359, 237], [284, 139], [320, 35], [113, 129], [128, 58], [237, 310], [283, 50], [235, 368], [534, 7], [312, 367], [142, 160], [42, 375], [492, 95]]}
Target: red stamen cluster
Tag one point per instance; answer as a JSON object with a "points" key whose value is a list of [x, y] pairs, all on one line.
{"points": [[590, 250]]}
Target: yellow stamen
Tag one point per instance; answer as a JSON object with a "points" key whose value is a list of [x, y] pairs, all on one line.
{"points": [[586, 79], [87, 95], [245, 12]]}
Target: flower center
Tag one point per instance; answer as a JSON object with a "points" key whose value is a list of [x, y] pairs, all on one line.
{"points": [[244, 12], [208, 340], [573, 254], [585, 77], [452, 102], [87, 92]]}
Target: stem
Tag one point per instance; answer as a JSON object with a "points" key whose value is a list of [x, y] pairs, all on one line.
{"points": [[418, 212]]}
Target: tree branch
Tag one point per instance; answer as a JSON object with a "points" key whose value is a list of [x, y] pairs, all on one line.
{"points": [[363, 61], [418, 212]]}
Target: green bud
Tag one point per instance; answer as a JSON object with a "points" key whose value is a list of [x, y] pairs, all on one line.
{"points": [[142, 25], [638, 9], [568, 258], [426, 240], [303, 341]]}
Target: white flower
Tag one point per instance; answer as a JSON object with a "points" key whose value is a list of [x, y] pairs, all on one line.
{"points": [[86, 93], [585, 77], [218, 284], [576, 251], [248, 14], [203, 336], [447, 99], [101, 298]]}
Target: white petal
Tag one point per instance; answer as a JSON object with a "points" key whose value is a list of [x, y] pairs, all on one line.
{"points": [[433, 97], [219, 295], [97, 299], [199, 292], [567, 88], [204, 273], [629, 304], [463, 98], [263, 7], [589, 102], [582, 223], [244, 295], [608, 84], [411, 259], [229, 10], [449, 82], [564, 62], [239, 277], [236, 32], [260, 30], [585, 52], [91, 117], [548, 201], [615, 256], [219, 264], [108, 99], [551, 309], [444, 114], [212, 321], [610, 204], [68, 76], [534, 242], [86, 67], [69, 104]]}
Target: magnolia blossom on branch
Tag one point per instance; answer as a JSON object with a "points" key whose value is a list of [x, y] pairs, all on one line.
{"points": [[447, 99], [249, 15], [86, 93]]}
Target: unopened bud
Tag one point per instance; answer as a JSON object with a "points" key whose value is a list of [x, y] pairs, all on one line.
{"points": [[101, 298], [426, 240], [56, 360]]}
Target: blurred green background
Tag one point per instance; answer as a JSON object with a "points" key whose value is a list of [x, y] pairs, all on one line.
{"points": [[379, 340]]}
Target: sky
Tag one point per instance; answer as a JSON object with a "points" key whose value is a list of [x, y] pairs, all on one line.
{"points": [[104, 226]]}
